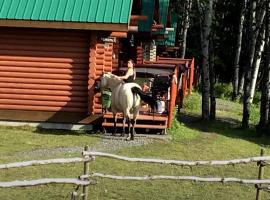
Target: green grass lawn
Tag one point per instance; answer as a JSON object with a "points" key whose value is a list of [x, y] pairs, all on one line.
{"points": [[192, 140]]}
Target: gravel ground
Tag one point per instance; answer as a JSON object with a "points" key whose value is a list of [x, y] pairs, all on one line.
{"points": [[107, 144]]}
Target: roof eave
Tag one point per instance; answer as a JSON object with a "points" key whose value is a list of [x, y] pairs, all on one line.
{"points": [[64, 25]]}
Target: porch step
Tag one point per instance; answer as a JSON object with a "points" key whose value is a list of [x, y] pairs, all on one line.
{"points": [[140, 117], [109, 124]]}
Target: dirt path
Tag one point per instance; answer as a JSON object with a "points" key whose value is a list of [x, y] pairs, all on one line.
{"points": [[107, 144]]}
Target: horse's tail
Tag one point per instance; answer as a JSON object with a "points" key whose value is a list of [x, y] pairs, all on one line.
{"points": [[144, 97]]}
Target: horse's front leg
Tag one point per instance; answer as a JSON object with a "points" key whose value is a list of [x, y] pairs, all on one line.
{"points": [[124, 122], [133, 122], [114, 124], [130, 136]]}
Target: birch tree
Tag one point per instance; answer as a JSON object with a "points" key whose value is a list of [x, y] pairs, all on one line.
{"points": [[256, 65], [264, 124], [255, 20], [238, 50], [183, 9]]}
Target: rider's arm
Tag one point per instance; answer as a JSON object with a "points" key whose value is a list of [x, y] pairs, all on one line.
{"points": [[128, 73]]}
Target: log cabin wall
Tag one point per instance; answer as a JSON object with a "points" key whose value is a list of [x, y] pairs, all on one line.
{"points": [[43, 71], [101, 60]]}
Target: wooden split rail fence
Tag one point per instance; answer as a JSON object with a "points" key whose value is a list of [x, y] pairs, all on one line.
{"points": [[88, 178]]}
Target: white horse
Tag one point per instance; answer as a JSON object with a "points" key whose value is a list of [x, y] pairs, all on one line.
{"points": [[126, 98]]}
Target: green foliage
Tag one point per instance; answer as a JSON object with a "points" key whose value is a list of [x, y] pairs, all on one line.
{"points": [[223, 91], [193, 102]]}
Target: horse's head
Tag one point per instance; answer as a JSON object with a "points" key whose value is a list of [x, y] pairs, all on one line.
{"points": [[108, 80]]}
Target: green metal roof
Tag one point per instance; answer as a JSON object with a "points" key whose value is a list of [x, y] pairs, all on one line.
{"points": [[163, 12], [96, 11], [148, 7]]}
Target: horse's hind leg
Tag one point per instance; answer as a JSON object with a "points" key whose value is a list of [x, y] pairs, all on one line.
{"points": [[133, 122], [130, 135]]}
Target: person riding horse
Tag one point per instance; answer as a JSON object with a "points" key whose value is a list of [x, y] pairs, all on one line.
{"points": [[130, 75]]}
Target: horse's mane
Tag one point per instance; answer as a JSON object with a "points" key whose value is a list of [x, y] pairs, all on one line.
{"points": [[112, 76]]}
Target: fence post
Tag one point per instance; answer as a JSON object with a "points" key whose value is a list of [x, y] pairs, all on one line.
{"points": [[261, 164], [86, 173], [74, 195]]}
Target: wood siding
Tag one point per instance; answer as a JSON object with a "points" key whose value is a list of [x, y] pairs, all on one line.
{"points": [[44, 70], [101, 60]]}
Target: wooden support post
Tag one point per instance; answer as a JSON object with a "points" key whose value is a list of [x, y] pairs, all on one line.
{"points": [[86, 173], [74, 195], [261, 165]]}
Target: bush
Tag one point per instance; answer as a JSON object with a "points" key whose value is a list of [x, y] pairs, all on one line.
{"points": [[224, 91]]}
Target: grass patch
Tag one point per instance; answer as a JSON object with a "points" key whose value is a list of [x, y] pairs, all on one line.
{"points": [[192, 140]]}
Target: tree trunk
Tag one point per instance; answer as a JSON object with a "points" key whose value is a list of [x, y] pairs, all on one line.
{"points": [[256, 66], [212, 79], [206, 29], [265, 96], [238, 51], [186, 23], [241, 84], [254, 24]]}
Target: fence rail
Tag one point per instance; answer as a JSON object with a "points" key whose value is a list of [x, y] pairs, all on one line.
{"points": [[43, 182], [43, 162], [183, 178], [87, 178], [180, 162]]}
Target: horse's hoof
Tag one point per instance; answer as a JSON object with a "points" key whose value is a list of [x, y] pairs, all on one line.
{"points": [[122, 134]]}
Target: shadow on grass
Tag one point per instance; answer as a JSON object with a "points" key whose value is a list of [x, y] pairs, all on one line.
{"points": [[228, 127]]}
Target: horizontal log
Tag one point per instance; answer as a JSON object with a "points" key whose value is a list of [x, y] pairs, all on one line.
{"points": [[44, 162], [97, 111], [37, 39], [100, 45], [56, 36], [40, 59], [55, 43], [168, 58], [41, 64], [157, 26], [100, 51], [43, 103], [101, 67], [169, 29], [99, 57], [139, 17], [42, 92], [43, 81], [179, 162], [43, 86], [44, 181], [42, 70], [43, 76], [119, 34], [108, 53], [51, 54], [100, 62], [133, 28], [42, 108], [43, 48], [183, 178], [39, 97]]}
